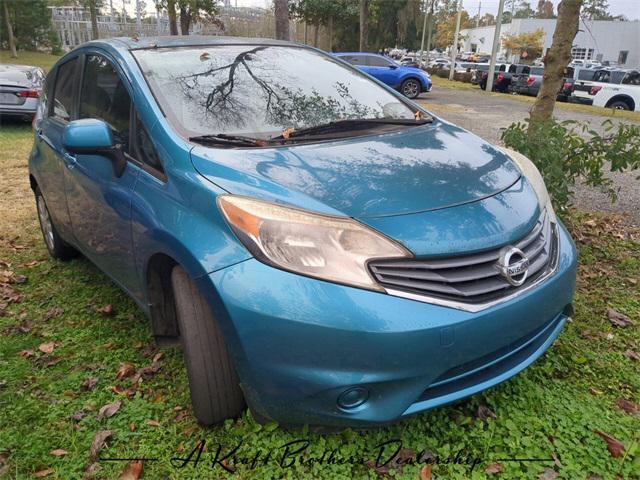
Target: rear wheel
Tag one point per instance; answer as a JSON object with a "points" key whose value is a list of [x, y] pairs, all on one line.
{"points": [[213, 382], [619, 105], [410, 88], [57, 247]]}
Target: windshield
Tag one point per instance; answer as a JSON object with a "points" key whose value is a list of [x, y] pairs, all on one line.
{"points": [[260, 90]]}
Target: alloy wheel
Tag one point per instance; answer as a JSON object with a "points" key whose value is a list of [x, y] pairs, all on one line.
{"points": [[45, 222]]}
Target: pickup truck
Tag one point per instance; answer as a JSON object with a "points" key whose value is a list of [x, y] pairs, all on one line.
{"points": [[625, 96]]}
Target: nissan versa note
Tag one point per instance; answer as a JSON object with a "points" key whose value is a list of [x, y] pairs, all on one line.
{"points": [[326, 251]]}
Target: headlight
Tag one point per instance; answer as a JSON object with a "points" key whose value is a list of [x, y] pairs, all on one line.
{"points": [[532, 174], [331, 248]]}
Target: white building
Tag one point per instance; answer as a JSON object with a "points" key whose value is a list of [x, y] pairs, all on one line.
{"points": [[602, 40]]}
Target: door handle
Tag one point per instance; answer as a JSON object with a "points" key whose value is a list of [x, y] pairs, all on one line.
{"points": [[69, 160]]}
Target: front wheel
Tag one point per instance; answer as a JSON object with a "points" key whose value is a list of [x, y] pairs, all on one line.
{"points": [[57, 247], [410, 88], [213, 382]]}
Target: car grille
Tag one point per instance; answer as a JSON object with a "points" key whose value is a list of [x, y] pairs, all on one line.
{"points": [[474, 278]]}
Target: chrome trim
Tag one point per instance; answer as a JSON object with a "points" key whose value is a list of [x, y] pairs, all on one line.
{"points": [[477, 307]]}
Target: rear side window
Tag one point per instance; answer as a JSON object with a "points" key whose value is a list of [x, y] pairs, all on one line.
{"points": [[64, 89], [105, 97], [377, 62]]}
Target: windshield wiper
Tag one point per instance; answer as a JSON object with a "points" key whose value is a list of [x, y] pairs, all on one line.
{"points": [[223, 139], [351, 124]]}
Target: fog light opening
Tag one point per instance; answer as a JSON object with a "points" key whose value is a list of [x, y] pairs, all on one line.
{"points": [[353, 398]]}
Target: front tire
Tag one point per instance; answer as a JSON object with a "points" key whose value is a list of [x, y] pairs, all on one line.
{"points": [[213, 382], [410, 88], [56, 246]]}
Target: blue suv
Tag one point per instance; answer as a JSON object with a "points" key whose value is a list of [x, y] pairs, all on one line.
{"points": [[326, 251], [410, 81]]}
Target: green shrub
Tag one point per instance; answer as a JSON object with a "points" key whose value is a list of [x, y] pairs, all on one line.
{"points": [[569, 151]]}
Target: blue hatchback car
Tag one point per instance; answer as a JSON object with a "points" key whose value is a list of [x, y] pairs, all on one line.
{"points": [[410, 81], [326, 251]]}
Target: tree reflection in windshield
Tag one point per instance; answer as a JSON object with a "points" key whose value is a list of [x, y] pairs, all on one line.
{"points": [[261, 90]]}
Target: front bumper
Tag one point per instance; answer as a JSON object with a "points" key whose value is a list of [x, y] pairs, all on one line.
{"points": [[299, 343]]}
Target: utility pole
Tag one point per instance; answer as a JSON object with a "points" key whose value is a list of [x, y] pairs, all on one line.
{"points": [[454, 47], [478, 17], [138, 17], [433, 3], [494, 48], [424, 28]]}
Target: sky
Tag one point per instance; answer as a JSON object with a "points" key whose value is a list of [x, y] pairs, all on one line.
{"points": [[629, 8]]}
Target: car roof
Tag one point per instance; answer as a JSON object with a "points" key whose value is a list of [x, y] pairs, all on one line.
{"points": [[340, 54], [135, 43]]}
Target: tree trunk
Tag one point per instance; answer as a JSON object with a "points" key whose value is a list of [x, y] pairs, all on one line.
{"points": [[330, 33], [364, 25], [173, 20], [316, 32], [185, 20], [556, 60], [12, 40], [282, 19], [93, 12]]}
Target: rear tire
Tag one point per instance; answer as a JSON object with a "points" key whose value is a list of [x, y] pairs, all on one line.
{"points": [[410, 88], [56, 246], [213, 382], [619, 105]]}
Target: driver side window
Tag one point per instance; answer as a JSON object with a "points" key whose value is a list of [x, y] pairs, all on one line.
{"points": [[105, 97]]}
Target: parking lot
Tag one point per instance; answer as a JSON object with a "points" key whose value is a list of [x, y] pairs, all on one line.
{"points": [[487, 115]]}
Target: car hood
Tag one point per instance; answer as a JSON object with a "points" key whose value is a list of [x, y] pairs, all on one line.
{"points": [[413, 170]]}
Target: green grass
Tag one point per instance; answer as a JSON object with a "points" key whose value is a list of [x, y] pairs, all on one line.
{"points": [[552, 408], [439, 82], [25, 57]]}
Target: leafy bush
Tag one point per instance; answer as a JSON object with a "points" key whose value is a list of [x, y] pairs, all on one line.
{"points": [[569, 151]]}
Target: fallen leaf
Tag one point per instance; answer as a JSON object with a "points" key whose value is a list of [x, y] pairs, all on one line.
{"points": [[485, 413], [425, 472], [548, 474], [91, 470], [147, 371], [107, 310], [47, 347], [79, 415], [58, 452], [628, 406], [132, 471], [556, 460], [98, 442], [631, 354], [26, 353], [615, 446], [153, 423], [132, 427], [595, 391], [204, 56], [88, 384], [126, 370], [109, 410], [53, 313], [618, 319], [43, 473], [158, 356], [33, 263], [493, 468]]}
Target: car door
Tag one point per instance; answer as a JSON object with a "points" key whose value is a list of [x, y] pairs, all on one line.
{"points": [[383, 70], [51, 158], [99, 202]]}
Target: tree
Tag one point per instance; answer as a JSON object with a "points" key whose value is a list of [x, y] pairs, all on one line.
{"points": [[282, 19], [364, 25], [596, 10], [11, 39], [192, 11], [527, 42], [545, 9], [173, 17], [93, 13], [445, 31], [556, 60]]}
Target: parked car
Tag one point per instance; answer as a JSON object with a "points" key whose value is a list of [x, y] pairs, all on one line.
{"points": [[20, 87], [499, 72], [584, 90], [410, 81], [625, 96], [325, 250], [528, 81]]}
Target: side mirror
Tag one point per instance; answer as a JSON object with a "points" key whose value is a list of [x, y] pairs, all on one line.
{"points": [[90, 136]]}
